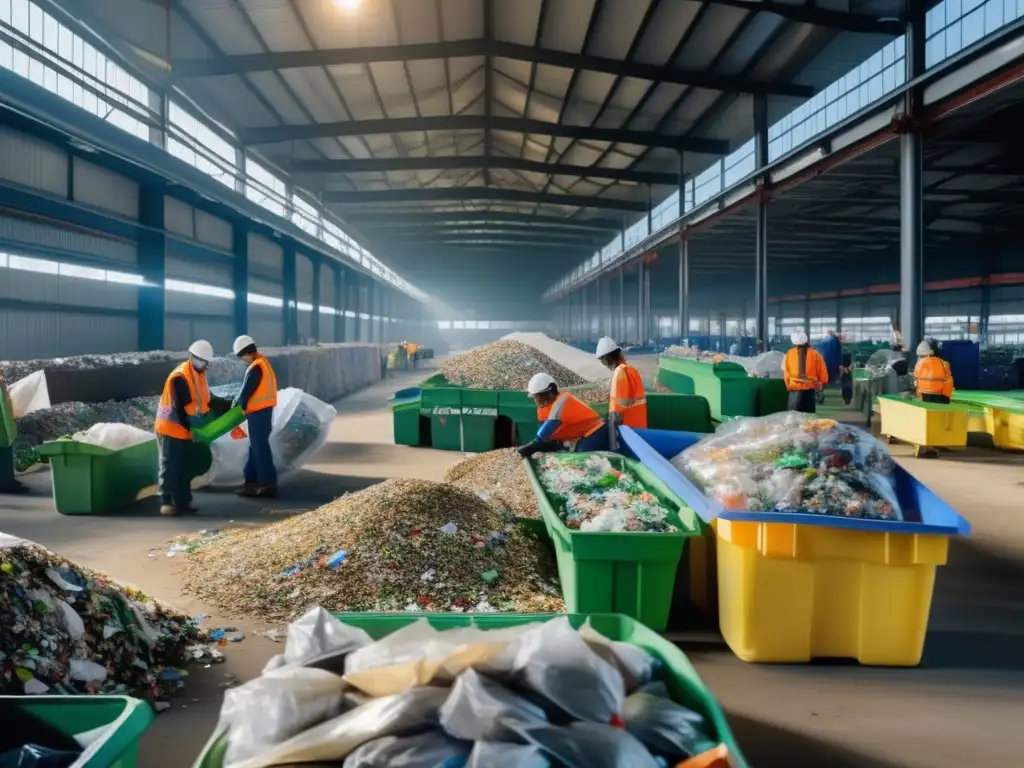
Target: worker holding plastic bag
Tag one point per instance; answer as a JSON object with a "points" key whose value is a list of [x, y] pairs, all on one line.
{"points": [[257, 399]]}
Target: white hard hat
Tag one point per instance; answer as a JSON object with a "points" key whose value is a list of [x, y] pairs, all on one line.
{"points": [[924, 348], [201, 349], [241, 343], [799, 339], [606, 346], [540, 382]]}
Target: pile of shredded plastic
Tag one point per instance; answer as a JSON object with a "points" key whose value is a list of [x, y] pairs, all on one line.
{"points": [[597, 492], [506, 365], [398, 545], [794, 462], [499, 478], [530, 695], [67, 630]]}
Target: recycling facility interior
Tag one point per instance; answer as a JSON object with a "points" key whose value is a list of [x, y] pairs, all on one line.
{"points": [[370, 172]]}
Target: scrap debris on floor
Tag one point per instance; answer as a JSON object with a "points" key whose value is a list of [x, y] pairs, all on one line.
{"points": [[506, 365], [399, 545], [499, 478]]}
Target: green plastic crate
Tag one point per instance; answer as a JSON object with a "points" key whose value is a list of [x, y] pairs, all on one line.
{"points": [[681, 413], [90, 480], [8, 427], [218, 427], [125, 719], [479, 413], [613, 572], [684, 684], [405, 415]]}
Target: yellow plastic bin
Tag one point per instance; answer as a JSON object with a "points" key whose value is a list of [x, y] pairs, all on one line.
{"points": [[793, 587], [934, 425], [1006, 428]]}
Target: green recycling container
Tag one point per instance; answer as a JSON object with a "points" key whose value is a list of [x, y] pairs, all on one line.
{"points": [[8, 427], [618, 572], [677, 382], [219, 426], [726, 386], [479, 414], [91, 480], [682, 680], [772, 396], [445, 419], [405, 417], [680, 413], [119, 721]]}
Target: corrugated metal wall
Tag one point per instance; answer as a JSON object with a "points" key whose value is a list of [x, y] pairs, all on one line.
{"points": [[182, 219], [304, 292], [326, 300], [33, 233], [181, 331], [101, 188], [266, 324], [191, 316], [26, 160]]}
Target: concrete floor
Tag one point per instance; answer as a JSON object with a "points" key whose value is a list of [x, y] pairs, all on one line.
{"points": [[962, 706]]}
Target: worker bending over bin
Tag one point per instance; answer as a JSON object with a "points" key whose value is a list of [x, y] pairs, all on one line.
{"points": [[805, 375], [567, 423], [186, 403], [627, 402], [932, 375], [257, 399]]}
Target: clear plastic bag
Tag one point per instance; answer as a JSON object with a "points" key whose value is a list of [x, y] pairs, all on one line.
{"points": [[589, 745], [555, 661], [497, 754], [479, 709], [29, 394], [666, 728], [794, 462], [116, 437], [432, 749], [317, 635], [409, 712], [275, 707], [636, 665], [35, 756]]}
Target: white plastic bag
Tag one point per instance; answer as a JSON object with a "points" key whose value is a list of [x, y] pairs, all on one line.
{"points": [[29, 394], [496, 754], [479, 709], [115, 437], [315, 635], [408, 712], [276, 706], [424, 750]]}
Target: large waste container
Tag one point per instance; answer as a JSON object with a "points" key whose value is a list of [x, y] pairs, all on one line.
{"points": [[793, 587], [921, 424], [726, 386], [89, 479]]}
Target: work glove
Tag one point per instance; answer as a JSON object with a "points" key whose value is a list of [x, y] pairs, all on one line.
{"points": [[528, 450], [238, 433]]}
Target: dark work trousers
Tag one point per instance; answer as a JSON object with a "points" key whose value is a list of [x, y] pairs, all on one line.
{"points": [[803, 400], [175, 484], [595, 442], [935, 399], [846, 385], [259, 468]]}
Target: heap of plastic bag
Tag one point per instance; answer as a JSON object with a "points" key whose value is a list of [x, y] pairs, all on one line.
{"points": [[598, 492], [541, 694], [115, 437], [300, 427], [794, 462], [65, 629]]}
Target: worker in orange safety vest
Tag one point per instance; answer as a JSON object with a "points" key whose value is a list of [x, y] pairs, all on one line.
{"points": [[932, 375], [257, 399], [805, 374], [627, 402], [567, 423], [184, 404]]}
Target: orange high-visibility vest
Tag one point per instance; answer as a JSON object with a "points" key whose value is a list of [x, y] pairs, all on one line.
{"points": [[811, 375], [628, 396], [265, 395], [199, 402], [578, 419], [933, 376]]}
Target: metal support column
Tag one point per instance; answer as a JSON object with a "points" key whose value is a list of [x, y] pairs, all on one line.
{"points": [[684, 290], [585, 329], [912, 191], [648, 313], [240, 277], [761, 228], [152, 296], [314, 320], [640, 301], [340, 301], [620, 335], [289, 298], [356, 292]]}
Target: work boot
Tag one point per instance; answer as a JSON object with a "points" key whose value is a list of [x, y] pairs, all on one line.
{"points": [[168, 510], [266, 492], [248, 491], [188, 509]]}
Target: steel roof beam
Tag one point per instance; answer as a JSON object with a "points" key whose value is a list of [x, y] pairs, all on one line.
{"points": [[466, 162], [390, 219], [580, 236], [275, 134], [264, 62], [820, 17], [466, 194]]}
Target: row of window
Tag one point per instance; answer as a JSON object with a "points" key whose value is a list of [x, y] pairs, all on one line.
{"points": [[490, 325], [36, 46], [950, 27]]}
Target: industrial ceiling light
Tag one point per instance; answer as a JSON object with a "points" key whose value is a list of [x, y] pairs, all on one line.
{"points": [[349, 5]]}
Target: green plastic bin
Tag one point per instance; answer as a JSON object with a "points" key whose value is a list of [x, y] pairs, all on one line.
{"points": [[219, 426], [8, 427], [680, 413], [90, 480], [772, 396], [125, 720], [726, 386], [677, 382], [613, 572], [405, 415], [684, 684], [479, 414]]}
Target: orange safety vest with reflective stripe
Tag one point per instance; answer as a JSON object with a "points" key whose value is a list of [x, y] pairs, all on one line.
{"points": [[265, 395], [575, 418], [933, 376], [804, 372], [628, 396], [167, 423]]}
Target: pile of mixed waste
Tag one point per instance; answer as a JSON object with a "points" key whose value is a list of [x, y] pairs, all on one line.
{"points": [[505, 365], [499, 478]]}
